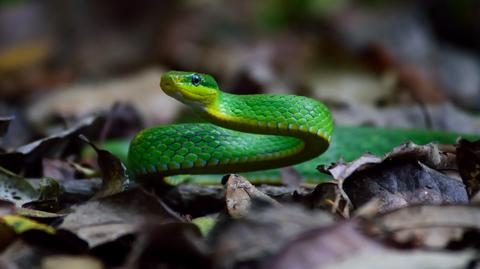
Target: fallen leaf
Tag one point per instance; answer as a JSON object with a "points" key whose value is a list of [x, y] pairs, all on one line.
{"points": [[114, 177], [21, 224], [261, 233], [398, 184], [400, 259], [16, 189], [324, 246], [140, 89], [434, 226], [37, 214], [239, 193], [344, 246], [8, 235], [399, 178], [107, 218], [4, 123], [205, 224], [49, 147], [468, 161], [57, 168], [71, 262], [166, 245]]}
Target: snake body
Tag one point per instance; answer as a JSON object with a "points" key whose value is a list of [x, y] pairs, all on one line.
{"points": [[245, 133]]}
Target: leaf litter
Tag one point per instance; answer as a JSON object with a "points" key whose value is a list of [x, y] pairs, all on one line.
{"points": [[390, 207]]}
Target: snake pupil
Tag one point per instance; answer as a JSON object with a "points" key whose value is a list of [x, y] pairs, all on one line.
{"points": [[196, 80]]}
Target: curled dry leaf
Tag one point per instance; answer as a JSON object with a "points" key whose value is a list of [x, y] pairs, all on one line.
{"points": [[398, 184], [328, 196], [239, 194], [114, 177], [49, 147], [400, 178], [429, 154]]}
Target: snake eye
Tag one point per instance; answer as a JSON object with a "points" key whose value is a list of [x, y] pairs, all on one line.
{"points": [[196, 80]]}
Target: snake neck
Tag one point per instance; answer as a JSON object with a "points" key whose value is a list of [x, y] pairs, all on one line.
{"points": [[286, 115], [289, 115]]}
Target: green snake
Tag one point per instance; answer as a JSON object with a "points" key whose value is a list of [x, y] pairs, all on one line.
{"points": [[245, 133], [250, 133]]}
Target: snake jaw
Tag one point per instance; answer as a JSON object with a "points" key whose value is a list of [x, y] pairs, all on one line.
{"points": [[178, 85]]}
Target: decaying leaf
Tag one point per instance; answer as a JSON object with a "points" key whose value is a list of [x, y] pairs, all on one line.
{"points": [[21, 224], [105, 219], [344, 246], [261, 233], [400, 259], [37, 214], [329, 196], [400, 178], [434, 226], [4, 123], [71, 262], [49, 147], [398, 184], [8, 235], [16, 189], [468, 161], [239, 193], [320, 247], [34, 245], [165, 245], [114, 177], [59, 169], [205, 224]]}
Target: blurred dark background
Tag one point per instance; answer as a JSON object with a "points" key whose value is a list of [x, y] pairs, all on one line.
{"points": [[384, 63]]}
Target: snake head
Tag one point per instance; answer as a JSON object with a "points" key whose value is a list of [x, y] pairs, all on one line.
{"points": [[199, 91]]}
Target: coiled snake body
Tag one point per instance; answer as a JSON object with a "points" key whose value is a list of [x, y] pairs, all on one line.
{"points": [[247, 132]]}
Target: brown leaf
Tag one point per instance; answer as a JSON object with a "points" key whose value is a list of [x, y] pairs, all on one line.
{"points": [[169, 245], [114, 177], [328, 196], [468, 161], [8, 236], [400, 183], [107, 218], [434, 226], [239, 193], [343, 246], [58, 169], [261, 233], [399, 178], [48, 147], [71, 262], [323, 246], [16, 189], [4, 123]]}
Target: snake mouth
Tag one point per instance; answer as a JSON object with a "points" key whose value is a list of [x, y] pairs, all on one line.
{"points": [[167, 83]]}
